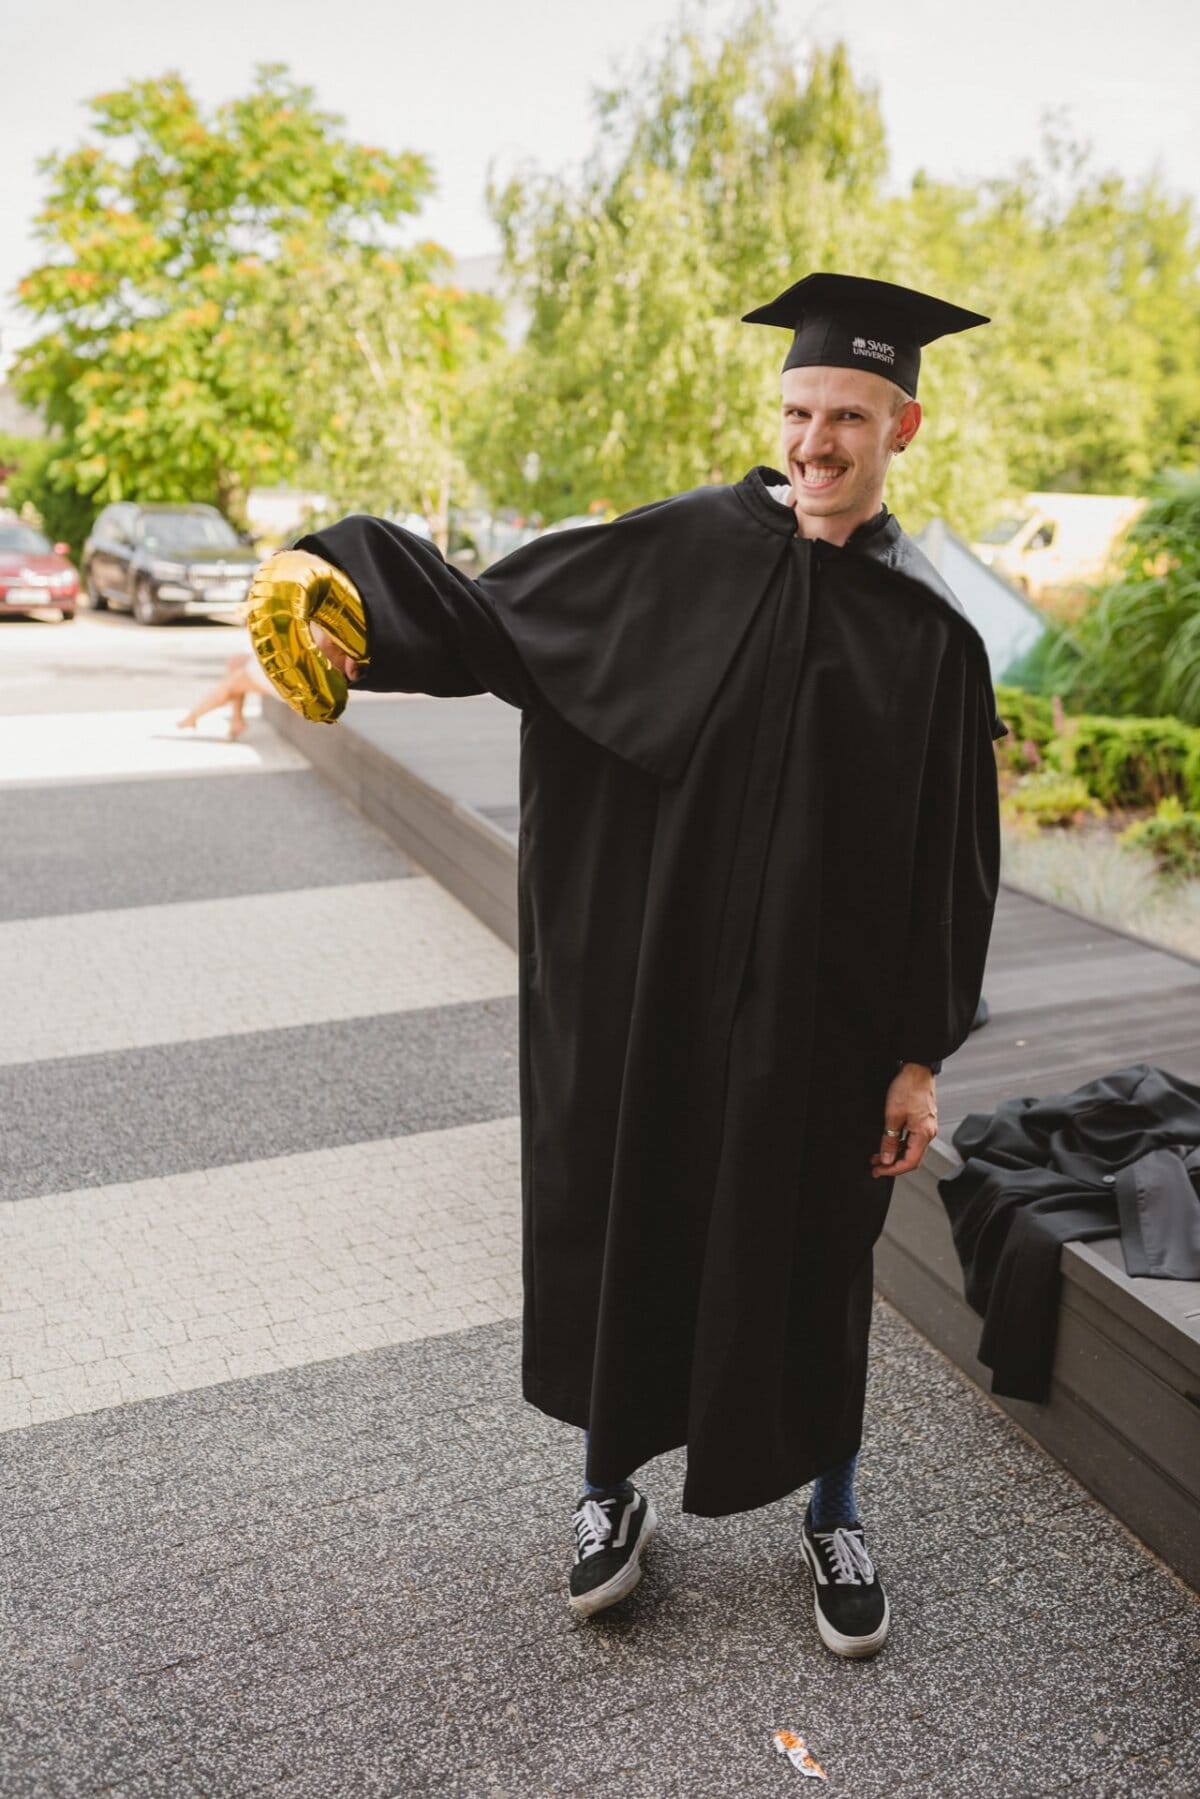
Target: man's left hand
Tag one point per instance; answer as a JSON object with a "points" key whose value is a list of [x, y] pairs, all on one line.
{"points": [[911, 1108]]}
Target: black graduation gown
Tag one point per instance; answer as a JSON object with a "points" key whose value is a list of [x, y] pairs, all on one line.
{"points": [[759, 852]]}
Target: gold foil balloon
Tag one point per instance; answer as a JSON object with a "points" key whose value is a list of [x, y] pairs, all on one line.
{"points": [[289, 594]]}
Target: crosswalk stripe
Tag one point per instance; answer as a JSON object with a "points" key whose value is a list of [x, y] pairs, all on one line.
{"points": [[121, 1290], [74, 985], [128, 1292]]}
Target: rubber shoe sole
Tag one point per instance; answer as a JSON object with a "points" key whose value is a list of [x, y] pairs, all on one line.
{"points": [[623, 1582]]}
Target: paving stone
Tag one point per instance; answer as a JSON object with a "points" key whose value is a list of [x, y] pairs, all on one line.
{"points": [[344, 1576], [67, 848], [445, 1623], [133, 1115], [142, 975], [346, 1225]]}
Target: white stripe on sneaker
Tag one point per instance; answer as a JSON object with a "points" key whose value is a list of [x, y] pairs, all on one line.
{"points": [[627, 1517]]}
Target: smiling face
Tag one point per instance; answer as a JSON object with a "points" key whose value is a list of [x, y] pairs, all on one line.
{"points": [[841, 428]]}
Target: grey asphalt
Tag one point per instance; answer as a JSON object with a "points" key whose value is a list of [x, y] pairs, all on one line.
{"points": [[348, 1579], [86, 1121], [89, 847]]}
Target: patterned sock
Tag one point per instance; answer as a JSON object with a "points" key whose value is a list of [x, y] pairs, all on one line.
{"points": [[833, 1500], [623, 1487]]}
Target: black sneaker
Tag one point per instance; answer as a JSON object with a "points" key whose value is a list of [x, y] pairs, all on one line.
{"points": [[851, 1605], [611, 1531]]}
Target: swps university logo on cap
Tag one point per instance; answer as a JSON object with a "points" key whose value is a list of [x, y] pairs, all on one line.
{"points": [[870, 346]]}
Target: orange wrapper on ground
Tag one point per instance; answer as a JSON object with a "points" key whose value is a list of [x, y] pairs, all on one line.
{"points": [[797, 1751]]}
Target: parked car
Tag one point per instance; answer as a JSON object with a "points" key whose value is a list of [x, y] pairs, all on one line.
{"points": [[33, 572], [1054, 546], [166, 561]]}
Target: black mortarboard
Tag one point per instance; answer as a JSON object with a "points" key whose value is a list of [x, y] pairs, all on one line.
{"points": [[848, 322]]}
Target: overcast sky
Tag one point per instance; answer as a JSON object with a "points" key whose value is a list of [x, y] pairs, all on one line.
{"points": [[963, 87]]}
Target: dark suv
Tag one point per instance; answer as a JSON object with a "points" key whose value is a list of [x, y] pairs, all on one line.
{"points": [[167, 561]]}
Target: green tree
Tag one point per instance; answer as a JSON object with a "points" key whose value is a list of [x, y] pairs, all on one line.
{"points": [[727, 170], [711, 179], [1092, 362], [28, 485], [174, 239], [378, 430]]}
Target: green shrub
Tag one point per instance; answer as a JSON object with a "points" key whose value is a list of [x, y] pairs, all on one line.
{"points": [[1050, 798], [1030, 720], [1026, 714], [1191, 775], [1137, 649], [39, 484], [1128, 761], [1172, 836]]}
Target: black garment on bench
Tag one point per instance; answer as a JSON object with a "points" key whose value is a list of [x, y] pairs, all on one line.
{"points": [[1120, 1155]]}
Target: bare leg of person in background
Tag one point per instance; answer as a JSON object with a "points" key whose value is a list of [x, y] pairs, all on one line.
{"points": [[241, 678]]}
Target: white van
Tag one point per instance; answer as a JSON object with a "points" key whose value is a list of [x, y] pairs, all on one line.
{"points": [[1053, 546]]}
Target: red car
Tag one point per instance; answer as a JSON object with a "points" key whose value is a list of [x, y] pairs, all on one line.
{"points": [[32, 573]]}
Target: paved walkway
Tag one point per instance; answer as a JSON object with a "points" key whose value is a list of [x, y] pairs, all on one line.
{"points": [[276, 1517]]}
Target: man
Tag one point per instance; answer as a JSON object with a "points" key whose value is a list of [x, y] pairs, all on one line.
{"points": [[758, 863]]}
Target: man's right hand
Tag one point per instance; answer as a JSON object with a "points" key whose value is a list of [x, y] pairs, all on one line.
{"points": [[309, 630], [333, 652]]}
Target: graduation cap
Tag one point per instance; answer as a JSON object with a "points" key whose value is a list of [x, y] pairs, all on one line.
{"points": [[848, 322]]}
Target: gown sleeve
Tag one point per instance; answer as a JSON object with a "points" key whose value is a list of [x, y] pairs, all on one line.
{"points": [[956, 868], [626, 630], [429, 628]]}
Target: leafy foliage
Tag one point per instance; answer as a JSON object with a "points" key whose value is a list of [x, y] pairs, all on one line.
{"points": [[1031, 725], [1090, 365], [377, 429], [176, 244], [1172, 836], [1127, 761], [14, 452], [36, 485], [225, 301], [1050, 798], [710, 178], [728, 170], [1191, 773], [1138, 648]]}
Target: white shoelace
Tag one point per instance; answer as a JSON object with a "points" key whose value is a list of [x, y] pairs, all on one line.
{"points": [[593, 1528], [852, 1565]]}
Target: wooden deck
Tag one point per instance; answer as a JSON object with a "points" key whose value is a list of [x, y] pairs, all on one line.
{"points": [[1070, 1000]]}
